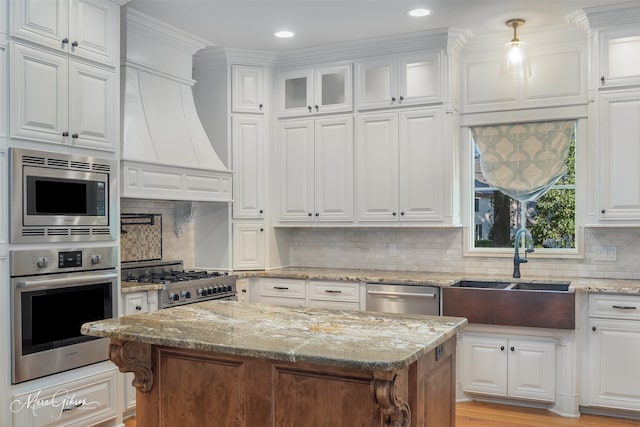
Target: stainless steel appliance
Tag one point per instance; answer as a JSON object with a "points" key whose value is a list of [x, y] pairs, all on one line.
{"points": [[408, 299], [61, 198], [179, 286], [53, 292]]}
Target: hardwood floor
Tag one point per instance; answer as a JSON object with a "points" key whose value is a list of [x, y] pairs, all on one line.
{"points": [[479, 414]]}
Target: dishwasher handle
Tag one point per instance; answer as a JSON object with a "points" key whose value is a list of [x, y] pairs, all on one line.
{"points": [[402, 294]]}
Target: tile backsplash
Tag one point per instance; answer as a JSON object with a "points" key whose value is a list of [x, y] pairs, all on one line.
{"points": [[140, 237], [173, 247]]}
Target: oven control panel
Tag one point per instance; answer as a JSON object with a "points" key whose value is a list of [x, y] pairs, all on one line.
{"points": [[48, 261]]}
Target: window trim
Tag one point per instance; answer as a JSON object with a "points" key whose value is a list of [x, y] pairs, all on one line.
{"points": [[468, 197]]}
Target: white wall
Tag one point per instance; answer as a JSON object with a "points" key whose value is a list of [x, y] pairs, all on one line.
{"points": [[441, 250]]}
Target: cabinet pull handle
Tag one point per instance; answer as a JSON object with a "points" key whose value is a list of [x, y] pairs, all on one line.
{"points": [[74, 44], [512, 348], [65, 40], [501, 348], [72, 407], [332, 291], [65, 133], [138, 308], [282, 288], [624, 307], [244, 291]]}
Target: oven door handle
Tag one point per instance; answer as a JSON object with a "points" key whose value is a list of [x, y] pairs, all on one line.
{"points": [[79, 279], [401, 294]]}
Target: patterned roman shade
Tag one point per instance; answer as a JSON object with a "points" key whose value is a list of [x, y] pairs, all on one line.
{"points": [[524, 160]]}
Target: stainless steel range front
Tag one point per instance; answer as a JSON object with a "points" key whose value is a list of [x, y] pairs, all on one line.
{"points": [[53, 293], [181, 286]]}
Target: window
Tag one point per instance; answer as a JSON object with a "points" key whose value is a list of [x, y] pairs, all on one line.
{"points": [[551, 218]]}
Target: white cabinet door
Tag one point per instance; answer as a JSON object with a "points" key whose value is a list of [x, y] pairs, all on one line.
{"points": [[39, 95], [247, 89], [423, 165], [135, 303], [4, 99], [248, 164], [295, 93], [44, 22], [377, 83], [87, 28], [418, 79], [248, 246], [92, 96], [532, 370], [333, 181], [377, 166], [614, 346], [619, 155], [619, 53], [333, 89], [296, 170], [484, 365]]}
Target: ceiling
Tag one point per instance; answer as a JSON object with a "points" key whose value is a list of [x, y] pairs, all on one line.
{"points": [[250, 24]]}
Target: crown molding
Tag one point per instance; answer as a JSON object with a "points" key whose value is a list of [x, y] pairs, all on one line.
{"points": [[612, 15]]}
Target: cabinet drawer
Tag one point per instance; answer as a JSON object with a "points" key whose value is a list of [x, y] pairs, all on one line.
{"points": [[332, 291], [87, 401], [284, 288], [615, 306]]}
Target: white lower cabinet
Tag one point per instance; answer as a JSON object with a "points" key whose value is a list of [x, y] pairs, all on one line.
{"points": [[614, 352], [334, 295], [520, 367], [338, 295], [134, 303], [290, 292], [85, 401]]}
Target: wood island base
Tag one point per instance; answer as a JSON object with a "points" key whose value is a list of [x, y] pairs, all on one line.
{"points": [[183, 388]]}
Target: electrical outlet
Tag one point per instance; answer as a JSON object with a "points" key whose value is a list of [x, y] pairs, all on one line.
{"points": [[392, 249], [604, 253]]}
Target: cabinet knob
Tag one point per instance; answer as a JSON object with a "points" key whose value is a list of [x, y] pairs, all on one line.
{"points": [[317, 108], [309, 107], [394, 214], [593, 328], [261, 211], [74, 44], [402, 213], [138, 308], [260, 106], [603, 211], [244, 291], [393, 99], [501, 348], [65, 40], [602, 79], [262, 229], [512, 348], [310, 214], [317, 214], [74, 135], [65, 133], [401, 98]]}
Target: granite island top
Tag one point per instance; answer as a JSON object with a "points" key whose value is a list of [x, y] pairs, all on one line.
{"points": [[339, 338]]}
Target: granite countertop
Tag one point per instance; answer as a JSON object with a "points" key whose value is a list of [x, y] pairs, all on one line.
{"points": [[348, 339]]}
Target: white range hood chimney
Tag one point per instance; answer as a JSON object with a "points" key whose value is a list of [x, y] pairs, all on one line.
{"points": [[165, 151]]}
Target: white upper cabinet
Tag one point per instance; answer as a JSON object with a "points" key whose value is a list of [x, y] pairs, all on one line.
{"points": [[87, 28], [248, 89], [619, 53], [59, 100], [403, 162], [248, 246], [619, 154], [320, 90], [248, 164], [397, 80], [316, 170]]}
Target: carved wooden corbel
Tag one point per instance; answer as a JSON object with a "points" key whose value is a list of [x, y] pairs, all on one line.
{"points": [[133, 357], [395, 412]]}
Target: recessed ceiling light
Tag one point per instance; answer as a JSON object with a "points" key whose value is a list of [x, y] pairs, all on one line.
{"points": [[419, 12], [284, 34]]}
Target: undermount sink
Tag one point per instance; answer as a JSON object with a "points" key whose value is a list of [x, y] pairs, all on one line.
{"points": [[530, 304]]}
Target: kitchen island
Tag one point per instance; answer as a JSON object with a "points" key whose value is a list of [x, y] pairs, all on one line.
{"points": [[226, 363]]}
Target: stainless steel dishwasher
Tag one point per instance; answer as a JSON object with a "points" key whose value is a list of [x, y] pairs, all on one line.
{"points": [[407, 299]]}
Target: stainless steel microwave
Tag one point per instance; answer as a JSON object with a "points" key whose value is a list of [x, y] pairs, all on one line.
{"points": [[59, 197]]}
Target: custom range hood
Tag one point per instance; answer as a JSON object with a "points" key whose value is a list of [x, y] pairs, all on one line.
{"points": [[166, 153]]}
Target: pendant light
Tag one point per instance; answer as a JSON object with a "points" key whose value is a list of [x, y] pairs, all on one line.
{"points": [[516, 63]]}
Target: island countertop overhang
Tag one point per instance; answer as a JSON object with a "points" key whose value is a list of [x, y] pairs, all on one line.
{"points": [[347, 339]]}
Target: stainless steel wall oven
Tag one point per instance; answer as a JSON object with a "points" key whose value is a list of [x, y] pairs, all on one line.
{"points": [[61, 198], [53, 292]]}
